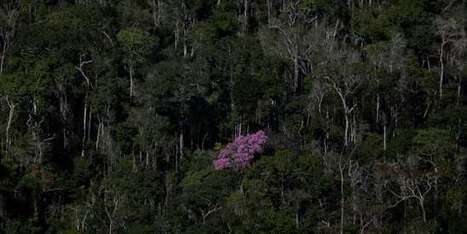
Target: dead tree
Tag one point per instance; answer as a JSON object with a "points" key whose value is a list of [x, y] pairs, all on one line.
{"points": [[453, 39], [86, 113], [292, 39], [8, 17]]}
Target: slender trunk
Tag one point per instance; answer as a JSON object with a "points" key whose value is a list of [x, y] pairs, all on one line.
{"points": [[336, 27], [341, 172], [354, 205], [63, 102], [377, 107], [156, 12], [140, 161], [404, 220], [347, 112], [384, 137], [203, 141], [2, 58], [177, 33], [459, 90], [159, 11], [346, 130], [245, 16], [231, 87], [353, 129], [422, 206], [36, 207], [242, 192], [458, 97], [154, 160], [181, 145], [131, 83], [296, 74], [396, 121], [268, 2], [326, 137], [441, 74], [35, 136], [99, 126], [168, 190], [85, 117], [297, 216], [147, 159], [282, 191], [89, 122], [8, 126], [110, 226], [177, 152], [185, 39]]}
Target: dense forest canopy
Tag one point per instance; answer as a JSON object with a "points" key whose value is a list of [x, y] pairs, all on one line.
{"points": [[233, 116]]}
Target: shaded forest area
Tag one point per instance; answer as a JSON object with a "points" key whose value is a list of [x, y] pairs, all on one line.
{"points": [[113, 112]]}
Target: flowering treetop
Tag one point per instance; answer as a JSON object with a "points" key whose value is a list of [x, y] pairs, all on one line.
{"points": [[241, 151]]}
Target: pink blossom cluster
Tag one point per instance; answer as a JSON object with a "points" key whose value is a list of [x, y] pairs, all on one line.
{"points": [[241, 152]]}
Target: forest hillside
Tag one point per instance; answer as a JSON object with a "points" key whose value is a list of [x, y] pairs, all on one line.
{"points": [[233, 116]]}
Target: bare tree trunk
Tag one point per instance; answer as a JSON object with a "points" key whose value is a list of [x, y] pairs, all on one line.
{"points": [[99, 132], [347, 111], [269, 5], [353, 177], [341, 172], [12, 106], [422, 207], [89, 122], [185, 39], [35, 135], [346, 129], [147, 160], [441, 62], [377, 107], [63, 113], [85, 117], [181, 144], [459, 90], [156, 5], [2, 58], [245, 15], [384, 137], [459, 121], [296, 74]]}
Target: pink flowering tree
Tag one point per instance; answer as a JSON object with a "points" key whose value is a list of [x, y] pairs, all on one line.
{"points": [[240, 153]]}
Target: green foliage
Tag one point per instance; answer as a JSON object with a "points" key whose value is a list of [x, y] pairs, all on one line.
{"points": [[434, 143], [136, 43], [348, 92]]}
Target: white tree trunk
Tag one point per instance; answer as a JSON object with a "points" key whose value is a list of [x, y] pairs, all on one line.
{"points": [[441, 73], [2, 57], [341, 172], [12, 106], [85, 117]]}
